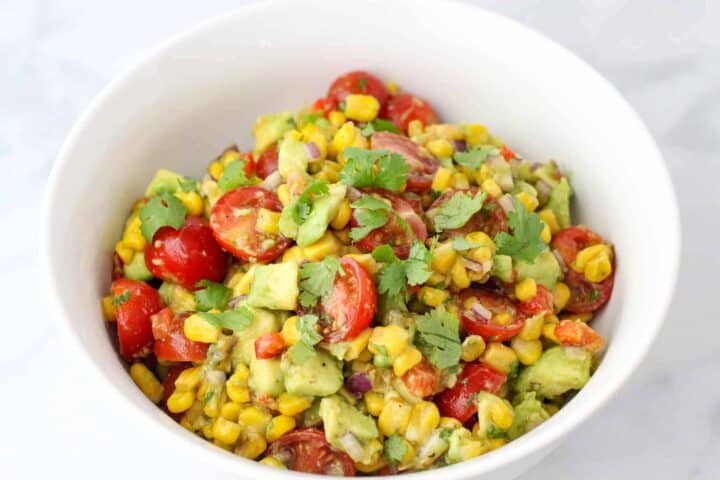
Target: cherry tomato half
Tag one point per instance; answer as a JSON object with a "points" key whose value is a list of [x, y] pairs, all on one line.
{"points": [[171, 344], [135, 302], [307, 450], [358, 82], [324, 106], [491, 219], [422, 164], [269, 345], [394, 233], [458, 401], [578, 334], [422, 380], [267, 162], [233, 221], [403, 108], [476, 324], [186, 255], [352, 304], [541, 302]]}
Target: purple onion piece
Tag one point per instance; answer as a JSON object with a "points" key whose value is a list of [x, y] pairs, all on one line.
{"points": [[460, 145], [470, 265], [359, 384], [313, 150], [481, 312], [506, 202], [235, 301]]}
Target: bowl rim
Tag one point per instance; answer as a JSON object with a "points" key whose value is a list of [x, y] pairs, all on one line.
{"points": [[536, 441]]}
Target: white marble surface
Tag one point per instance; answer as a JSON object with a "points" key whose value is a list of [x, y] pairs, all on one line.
{"points": [[663, 55]]}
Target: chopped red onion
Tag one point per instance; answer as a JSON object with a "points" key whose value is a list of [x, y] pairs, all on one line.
{"points": [[352, 446], [560, 260], [535, 165], [314, 150], [235, 301], [506, 202], [543, 188], [470, 265], [272, 181], [495, 161], [460, 145], [359, 384], [481, 312]]}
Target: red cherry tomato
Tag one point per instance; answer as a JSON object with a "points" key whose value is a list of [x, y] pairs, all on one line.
{"points": [[491, 219], [352, 303], [357, 82], [393, 233], [267, 162], [269, 345], [403, 109], [135, 303], [478, 325], [578, 334], [506, 153], [306, 450], [233, 221], [117, 266], [169, 381], [171, 344], [186, 255], [585, 296], [324, 106], [422, 380], [541, 302], [422, 164], [459, 401]]}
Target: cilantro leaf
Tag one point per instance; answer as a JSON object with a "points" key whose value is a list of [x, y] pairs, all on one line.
{"points": [[235, 320], [374, 168], [475, 158], [395, 449], [213, 296], [379, 125], [162, 211], [438, 336], [392, 279], [187, 184], [317, 280], [302, 207], [460, 244], [525, 242], [594, 294], [233, 176], [309, 337], [121, 299], [396, 274], [417, 265], [371, 213], [456, 212]]}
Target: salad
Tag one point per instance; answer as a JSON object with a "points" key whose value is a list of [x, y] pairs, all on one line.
{"points": [[367, 291]]}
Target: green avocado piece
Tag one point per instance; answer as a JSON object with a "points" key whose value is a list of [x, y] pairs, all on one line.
{"points": [[164, 181], [293, 156], [176, 297], [339, 419], [529, 413], [559, 202], [263, 321], [502, 268], [266, 376], [270, 128], [458, 439], [559, 370], [136, 269], [548, 173], [275, 286], [320, 375], [545, 270], [324, 210]]}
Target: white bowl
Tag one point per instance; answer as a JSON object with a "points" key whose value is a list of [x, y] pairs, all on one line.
{"points": [[191, 98]]}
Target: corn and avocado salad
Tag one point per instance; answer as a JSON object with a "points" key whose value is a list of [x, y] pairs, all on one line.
{"points": [[366, 291]]}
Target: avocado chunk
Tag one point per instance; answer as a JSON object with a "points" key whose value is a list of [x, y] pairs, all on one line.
{"points": [[136, 269], [164, 181], [176, 297], [460, 439], [324, 209], [529, 413], [263, 321], [270, 128], [559, 370], [559, 202], [266, 376], [320, 375], [502, 268], [293, 156], [275, 286], [348, 429], [545, 270]]}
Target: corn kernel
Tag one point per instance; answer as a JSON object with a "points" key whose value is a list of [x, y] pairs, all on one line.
{"points": [[483, 174], [216, 170], [366, 260], [502, 318], [491, 187], [528, 201], [433, 296], [135, 240], [146, 381], [243, 285], [252, 447], [392, 88], [598, 269], [343, 216], [449, 422], [394, 417], [226, 431], [493, 410], [532, 328], [289, 332], [278, 427], [312, 133], [546, 233], [582, 317], [551, 409], [267, 221], [273, 462], [528, 351], [424, 418], [481, 238], [460, 180], [526, 290], [390, 340], [188, 379], [374, 402], [253, 417], [344, 137], [472, 347], [358, 345], [180, 401], [198, 329], [293, 254], [108, 308], [440, 147], [499, 357], [289, 404], [207, 431], [363, 108], [444, 257], [230, 411], [328, 244], [337, 118], [587, 254], [283, 193], [442, 179], [192, 201], [548, 332], [125, 252], [415, 128], [459, 275], [406, 360], [548, 216], [561, 295], [476, 134]]}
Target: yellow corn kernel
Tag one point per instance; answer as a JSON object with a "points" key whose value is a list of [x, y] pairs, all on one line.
{"points": [[180, 401], [526, 290], [216, 170], [424, 418], [491, 187], [551, 409], [546, 233], [433, 296], [415, 128], [495, 443], [135, 240], [460, 180], [527, 351], [283, 193], [192, 201], [548, 332], [390, 340], [365, 356], [226, 431], [374, 402], [293, 254], [252, 447], [273, 462], [366, 260], [363, 108], [230, 411], [392, 88], [198, 329], [587, 254], [459, 275], [344, 137], [472, 347], [327, 245], [493, 410], [207, 431], [552, 319], [312, 133], [581, 317], [108, 308], [289, 332], [476, 134], [343, 216], [528, 201], [406, 360], [358, 345], [394, 417], [440, 147], [598, 269], [443, 177], [561, 295], [267, 221], [289, 404], [243, 285], [236, 385], [472, 449], [444, 257], [548, 216], [189, 379], [532, 328], [147, 382], [502, 318], [336, 118], [499, 356], [253, 417], [483, 174], [449, 422], [125, 252], [481, 238], [279, 426]]}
